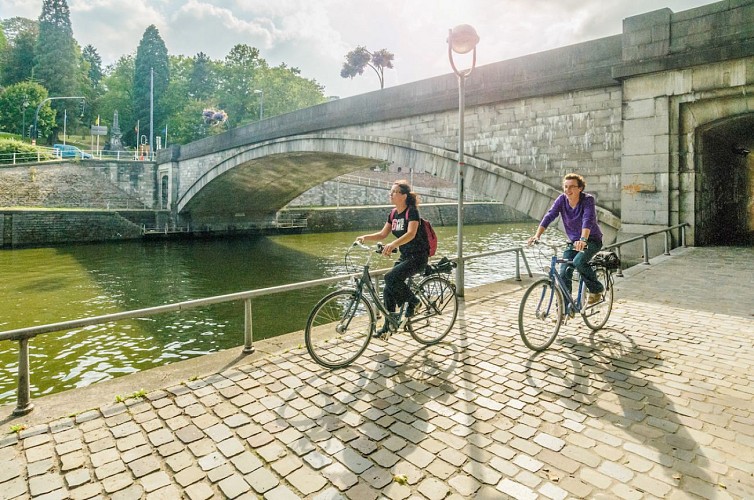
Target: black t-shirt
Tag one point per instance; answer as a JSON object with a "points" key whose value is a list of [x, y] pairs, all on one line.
{"points": [[399, 226]]}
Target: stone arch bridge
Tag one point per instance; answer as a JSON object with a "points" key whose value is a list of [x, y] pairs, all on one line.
{"points": [[659, 119]]}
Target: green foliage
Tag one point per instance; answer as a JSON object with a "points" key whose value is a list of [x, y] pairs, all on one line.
{"points": [[19, 55], [135, 395], [90, 55], [56, 62], [151, 58], [17, 428], [183, 86], [359, 58], [24, 152], [285, 91], [117, 96], [12, 116], [203, 78], [238, 82]]}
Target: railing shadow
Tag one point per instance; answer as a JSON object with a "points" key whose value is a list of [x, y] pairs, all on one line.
{"points": [[602, 379]]}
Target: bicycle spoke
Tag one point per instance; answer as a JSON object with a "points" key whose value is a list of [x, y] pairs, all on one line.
{"points": [[339, 328], [595, 316], [540, 315], [437, 313]]}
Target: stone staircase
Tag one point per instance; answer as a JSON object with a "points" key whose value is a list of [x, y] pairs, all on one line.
{"points": [[60, 186]]}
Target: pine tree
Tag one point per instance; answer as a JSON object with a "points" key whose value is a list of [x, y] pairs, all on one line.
{"points": [[91, 56], [56, 61], [151, 56]]}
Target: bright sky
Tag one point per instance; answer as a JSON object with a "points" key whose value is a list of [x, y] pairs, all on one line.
{"points": [[315, 35]]}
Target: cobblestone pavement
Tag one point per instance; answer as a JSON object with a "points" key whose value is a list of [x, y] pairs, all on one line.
{"points": [[660, 404]]}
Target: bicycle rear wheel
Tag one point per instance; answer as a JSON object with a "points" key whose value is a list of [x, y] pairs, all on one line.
{"points": [[339, 328], [596, 316], [540, 314], [437, 314]]}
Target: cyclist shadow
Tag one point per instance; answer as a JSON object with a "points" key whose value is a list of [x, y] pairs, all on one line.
{"points": [[432, 364], [602, 380]]}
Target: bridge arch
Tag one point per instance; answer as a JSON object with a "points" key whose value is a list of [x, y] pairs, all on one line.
{"points": [[323, 156]]}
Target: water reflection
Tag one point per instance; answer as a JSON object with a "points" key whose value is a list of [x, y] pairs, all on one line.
{"points": [[56, 284]]}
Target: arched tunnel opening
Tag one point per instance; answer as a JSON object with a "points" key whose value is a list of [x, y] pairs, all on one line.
{"points": [[725, 183]]}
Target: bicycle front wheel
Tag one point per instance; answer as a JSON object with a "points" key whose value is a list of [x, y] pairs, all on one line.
{"points": [[437, 314], [339, 328], [540, 314], [595, 316]]}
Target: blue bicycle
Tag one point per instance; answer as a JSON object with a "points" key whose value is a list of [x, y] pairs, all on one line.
{"points": [[546, 304]]}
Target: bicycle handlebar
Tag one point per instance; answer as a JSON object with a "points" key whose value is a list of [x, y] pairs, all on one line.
{"points": [[377, 248]]}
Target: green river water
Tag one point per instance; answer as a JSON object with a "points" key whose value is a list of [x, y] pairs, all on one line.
{"points": [[48, 285]]}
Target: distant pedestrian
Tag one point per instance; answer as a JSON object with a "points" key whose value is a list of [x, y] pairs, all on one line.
{"points": [[578, 212]]}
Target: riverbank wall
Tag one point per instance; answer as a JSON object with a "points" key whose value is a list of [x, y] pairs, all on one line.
{"points": [[28, 227], [327, 219]]}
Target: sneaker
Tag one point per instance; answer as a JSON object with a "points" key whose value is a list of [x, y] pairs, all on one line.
{"points": [[593, 298], [386, 330], [413, 305], [380, 333]]}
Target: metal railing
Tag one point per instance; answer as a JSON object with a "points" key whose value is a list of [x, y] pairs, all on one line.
{"points": [[645, 237], [23, 335], [45, 154]]}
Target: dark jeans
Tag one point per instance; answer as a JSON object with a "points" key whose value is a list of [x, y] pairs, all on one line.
{"points": [[581, 262], [396, 290]]}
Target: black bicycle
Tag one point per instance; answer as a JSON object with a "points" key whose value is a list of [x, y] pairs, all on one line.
{"points": [[342, 323], [546, 304]]}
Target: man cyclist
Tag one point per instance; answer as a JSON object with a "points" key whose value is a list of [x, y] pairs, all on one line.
{"points": [[578, 212]]}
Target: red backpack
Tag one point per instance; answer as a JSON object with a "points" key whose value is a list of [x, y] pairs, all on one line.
{"points": [[429, 233]]}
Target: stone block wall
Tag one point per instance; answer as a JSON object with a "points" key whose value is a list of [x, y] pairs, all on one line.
{"points": [[543, 138], [43, 228], [102, 185]]}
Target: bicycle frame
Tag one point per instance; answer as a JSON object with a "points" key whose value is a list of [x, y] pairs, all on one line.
{"points": [[365, 281], [572, 305]]}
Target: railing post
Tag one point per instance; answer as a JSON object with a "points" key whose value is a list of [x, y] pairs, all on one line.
{"points": [[23, 401], [519, 251], [646, 249], [667, 242], [620, 269], [683, 236], [248, 335]]}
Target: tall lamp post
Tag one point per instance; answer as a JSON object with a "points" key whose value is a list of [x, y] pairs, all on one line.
{"points": [[462, 39], [261, 103]]}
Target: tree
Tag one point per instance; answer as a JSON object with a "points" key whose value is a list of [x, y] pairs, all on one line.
{"points": [[151, 58], [19, 55], [56, 61], [238, 84], [203, 79], [359, 58], [91, 56], [12, 115], [117, 84], [285, 90]]}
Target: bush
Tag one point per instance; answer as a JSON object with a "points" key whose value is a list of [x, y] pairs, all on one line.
{"points": [[24, 152]]}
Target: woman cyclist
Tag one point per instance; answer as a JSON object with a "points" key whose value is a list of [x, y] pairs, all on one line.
{"points": [[403, 221]]}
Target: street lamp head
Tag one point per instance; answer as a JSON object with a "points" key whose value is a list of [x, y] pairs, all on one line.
{"points": [[463, 39]]}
